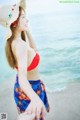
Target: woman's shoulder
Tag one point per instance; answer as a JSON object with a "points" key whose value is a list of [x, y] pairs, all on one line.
{"points": [[19, 48], [19, 45]]}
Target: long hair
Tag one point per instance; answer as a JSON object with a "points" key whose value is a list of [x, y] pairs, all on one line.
{"points": [[8, 50]]}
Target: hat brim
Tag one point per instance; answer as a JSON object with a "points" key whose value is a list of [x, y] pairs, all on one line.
{"points": [[22, 3]]}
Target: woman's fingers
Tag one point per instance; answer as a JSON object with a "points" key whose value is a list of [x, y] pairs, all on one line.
{"points": [[29, 109], [43, 112], [44, 117], [33, 116], [38, 111], [26, 116]]}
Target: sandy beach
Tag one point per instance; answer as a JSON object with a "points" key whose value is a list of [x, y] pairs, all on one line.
{"points": [[65, 105]]}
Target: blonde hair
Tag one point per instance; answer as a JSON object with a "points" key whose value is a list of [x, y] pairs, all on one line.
{"points": [[8, 51]]}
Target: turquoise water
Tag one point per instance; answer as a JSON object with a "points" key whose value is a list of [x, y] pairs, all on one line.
{"points": [[58, 41]]}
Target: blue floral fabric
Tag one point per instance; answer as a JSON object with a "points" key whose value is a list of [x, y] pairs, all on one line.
{"points": [[22, 100]]}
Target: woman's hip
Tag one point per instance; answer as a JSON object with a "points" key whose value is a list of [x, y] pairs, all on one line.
{"points": [[22, 100]]}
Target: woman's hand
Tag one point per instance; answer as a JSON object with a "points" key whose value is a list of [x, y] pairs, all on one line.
{"points": [[25, 116], [36, 106]]}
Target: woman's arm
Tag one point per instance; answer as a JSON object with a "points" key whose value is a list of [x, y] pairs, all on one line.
{"points": [[22, 56], [36, 104], [31, 40]]}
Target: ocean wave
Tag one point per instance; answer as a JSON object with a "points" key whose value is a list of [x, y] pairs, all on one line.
{"points": [[57, 89]]}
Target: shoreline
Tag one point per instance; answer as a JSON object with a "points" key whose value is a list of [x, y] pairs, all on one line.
{"points": [[10, 83], [65, 104]]}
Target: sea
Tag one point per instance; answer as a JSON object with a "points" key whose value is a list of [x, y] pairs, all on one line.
{"points": [[57, 36]]}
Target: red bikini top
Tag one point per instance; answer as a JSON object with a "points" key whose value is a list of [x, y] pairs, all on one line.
{"points": [[34, 63]]}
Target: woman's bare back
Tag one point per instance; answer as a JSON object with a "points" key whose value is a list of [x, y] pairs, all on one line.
{"points": [[33, 74]]}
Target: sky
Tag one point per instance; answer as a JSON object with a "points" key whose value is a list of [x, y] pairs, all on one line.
{"points": [[45, 6]]}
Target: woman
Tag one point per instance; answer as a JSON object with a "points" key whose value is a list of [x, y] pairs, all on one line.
{"points": [[29, 91]]}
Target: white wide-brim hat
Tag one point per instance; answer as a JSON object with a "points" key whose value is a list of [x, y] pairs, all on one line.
{"points": [[9, 14]]}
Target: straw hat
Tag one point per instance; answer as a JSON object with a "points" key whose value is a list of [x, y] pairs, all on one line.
{"points": [[9, 14]]}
